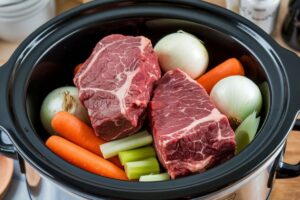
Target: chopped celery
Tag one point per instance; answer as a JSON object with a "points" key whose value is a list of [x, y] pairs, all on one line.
{"points": [[246, 131], [136, 154], [155, 177], [136, 169], [112, 148]]}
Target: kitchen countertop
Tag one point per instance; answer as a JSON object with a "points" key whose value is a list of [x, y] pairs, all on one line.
{"points": [[283, 189]]}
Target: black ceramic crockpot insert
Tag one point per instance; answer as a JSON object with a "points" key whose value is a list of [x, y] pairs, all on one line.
{"points": [[45, 61]]}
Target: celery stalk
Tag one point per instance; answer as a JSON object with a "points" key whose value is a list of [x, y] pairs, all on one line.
{"points": [[136, 169], [111, 149], [265, 92], [136, 154], [246, 131], [155, 177]]}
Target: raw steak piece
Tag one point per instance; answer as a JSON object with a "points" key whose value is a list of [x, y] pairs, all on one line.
{"points": [[115, 84], [190, 134]]}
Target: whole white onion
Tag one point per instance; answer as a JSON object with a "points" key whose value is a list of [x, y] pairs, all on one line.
{"points": [[184, 51], [62, 99], [236, 97]]}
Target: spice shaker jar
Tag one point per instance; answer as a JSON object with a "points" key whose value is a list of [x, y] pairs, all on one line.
{"points": [[261, 12], [291, 26], [19, 19]]}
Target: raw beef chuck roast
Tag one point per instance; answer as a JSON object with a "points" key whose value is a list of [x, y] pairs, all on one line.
{"points": [[190, 134], [116, 82]]}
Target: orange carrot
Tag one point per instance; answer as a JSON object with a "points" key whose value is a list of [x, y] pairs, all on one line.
{"points": [[76, 131], [77, 68], [229, 67], [84, 159]]}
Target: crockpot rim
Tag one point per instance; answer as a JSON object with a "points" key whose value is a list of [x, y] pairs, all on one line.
{"points": [[20, 128]]}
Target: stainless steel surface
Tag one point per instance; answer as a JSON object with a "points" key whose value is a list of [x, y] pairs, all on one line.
{"points": [[32, 188], [40, 188], [17, 190], [253, 187]]}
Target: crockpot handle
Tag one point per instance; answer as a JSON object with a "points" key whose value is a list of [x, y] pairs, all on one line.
{"points": [[286, 170], [292, 63], [297, 125], [5, 149]]}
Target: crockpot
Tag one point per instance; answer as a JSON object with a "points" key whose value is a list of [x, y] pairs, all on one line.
{"points": [[45, 61]]}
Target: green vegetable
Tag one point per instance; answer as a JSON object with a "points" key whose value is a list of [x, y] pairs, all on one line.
{"points": [[112, 148], [62, 99], [155, 177], [265, 91], [136, 169], [245, 133], [136, 154]]}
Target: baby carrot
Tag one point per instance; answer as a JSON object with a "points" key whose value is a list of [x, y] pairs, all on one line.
{"points": [[84, 159], [229, 67], [78, 132]]}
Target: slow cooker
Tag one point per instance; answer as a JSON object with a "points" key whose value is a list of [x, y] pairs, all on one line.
{"points": [[45, 61]]}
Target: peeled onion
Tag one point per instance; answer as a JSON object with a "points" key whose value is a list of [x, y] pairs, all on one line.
{"points": [[236, 97], [184, 51], [62, 99]]}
